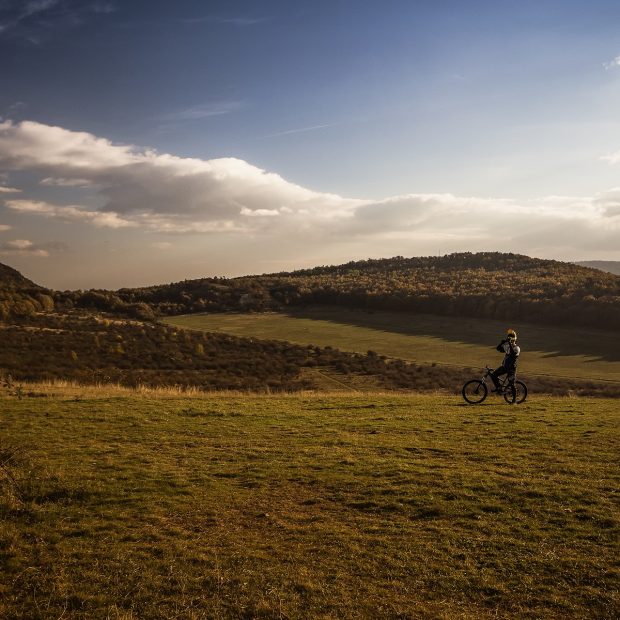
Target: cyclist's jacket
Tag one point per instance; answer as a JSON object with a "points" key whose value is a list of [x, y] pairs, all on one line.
{"points": [[512, 352]]}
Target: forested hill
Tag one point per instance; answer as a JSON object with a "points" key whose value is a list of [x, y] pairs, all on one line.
{"points": [[20, 296], [487, 285]]}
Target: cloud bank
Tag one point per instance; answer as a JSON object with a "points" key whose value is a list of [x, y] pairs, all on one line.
{"points": [[135, 188]]}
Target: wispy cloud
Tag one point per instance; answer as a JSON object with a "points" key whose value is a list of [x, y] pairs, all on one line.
{"points": [[14, 12], [612, 64], [204, 110], [9, 190], [104, 8], [60, 182], [33, 20], [25, 247], [4, 227], [289, 132], [241, 21], [613, 158], [70, 213]]}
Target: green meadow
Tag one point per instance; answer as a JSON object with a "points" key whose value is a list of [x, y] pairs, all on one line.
{"points": [[123, 505], [562, 352]]}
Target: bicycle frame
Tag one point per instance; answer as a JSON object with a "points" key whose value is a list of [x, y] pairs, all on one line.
{"points": [[502, 383]]}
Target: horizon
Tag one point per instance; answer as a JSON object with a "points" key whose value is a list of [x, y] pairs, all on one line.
{"points": [[154, 143], [585, 263]]}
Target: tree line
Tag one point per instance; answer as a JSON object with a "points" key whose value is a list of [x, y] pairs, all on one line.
{"points": [[489, 285], [484, 285]]}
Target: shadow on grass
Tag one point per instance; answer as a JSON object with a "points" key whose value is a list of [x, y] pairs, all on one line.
{"points": [[552, 341]]}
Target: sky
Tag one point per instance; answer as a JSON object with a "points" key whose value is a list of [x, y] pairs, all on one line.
{"points": [[146, 142]]}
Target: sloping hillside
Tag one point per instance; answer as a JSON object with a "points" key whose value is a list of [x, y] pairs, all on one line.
{"points": [[12, 280], [484, 285], [20, 296]]}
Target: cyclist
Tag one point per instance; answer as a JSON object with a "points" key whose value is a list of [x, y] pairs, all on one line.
{"points": [[511, 351]]}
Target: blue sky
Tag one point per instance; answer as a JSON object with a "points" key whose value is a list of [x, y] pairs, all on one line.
{"points": [[144, 142]]}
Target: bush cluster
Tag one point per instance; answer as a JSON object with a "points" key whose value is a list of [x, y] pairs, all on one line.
{"points": [[92, 348]]}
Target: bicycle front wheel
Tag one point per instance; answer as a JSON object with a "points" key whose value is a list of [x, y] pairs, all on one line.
{"points": [[521, 392], [475, 391], [510, 394]]}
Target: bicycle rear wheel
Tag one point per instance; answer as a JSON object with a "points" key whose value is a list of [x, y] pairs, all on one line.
{"points": [[474, 391]]}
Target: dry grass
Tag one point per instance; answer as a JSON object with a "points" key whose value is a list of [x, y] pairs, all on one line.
{"points": [[123, 505]]}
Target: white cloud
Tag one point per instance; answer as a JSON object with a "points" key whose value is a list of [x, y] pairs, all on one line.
{"points": [[4, 227], [9, 190], [60, 182], [19, 244], [158, 192], [614, 158], [22, 247], [259, 212], [612, 64], [609, 202], [70, 213]]}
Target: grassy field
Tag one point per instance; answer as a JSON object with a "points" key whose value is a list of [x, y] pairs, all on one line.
{"points": [[558, 352], [123, 505]]}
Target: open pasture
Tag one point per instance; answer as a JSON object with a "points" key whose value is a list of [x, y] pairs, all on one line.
{"points": [[561, 352], [124, 505]]}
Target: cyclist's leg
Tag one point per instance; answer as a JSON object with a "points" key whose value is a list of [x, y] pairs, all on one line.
{"points": [[498, 372], [512, 375]]}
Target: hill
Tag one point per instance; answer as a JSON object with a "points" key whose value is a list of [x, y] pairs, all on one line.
{"points": [[12, 280], [489, 285], [611, 266], [20, 296], [103, 336]]}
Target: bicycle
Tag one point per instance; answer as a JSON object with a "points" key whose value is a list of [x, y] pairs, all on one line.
{"points": [[475, 391]]}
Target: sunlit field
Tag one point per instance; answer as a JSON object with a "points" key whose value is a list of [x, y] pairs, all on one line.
{"points": [[467, 342], [121, 504]]}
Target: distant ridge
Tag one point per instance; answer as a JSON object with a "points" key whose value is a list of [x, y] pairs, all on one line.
{"points": [[11, 279], [610, 266], [492, 285]]}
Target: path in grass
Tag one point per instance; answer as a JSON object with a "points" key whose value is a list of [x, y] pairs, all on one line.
{"points": [[426, 339], [308, 507]]}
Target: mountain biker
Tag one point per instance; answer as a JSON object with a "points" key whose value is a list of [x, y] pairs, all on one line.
{"points": [[511, 351]]}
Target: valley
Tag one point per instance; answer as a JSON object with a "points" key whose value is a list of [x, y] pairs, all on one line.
{"points": [[427, 339]]}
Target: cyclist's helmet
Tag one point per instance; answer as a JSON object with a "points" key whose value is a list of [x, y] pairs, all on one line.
{"points": [[511, 334]]}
